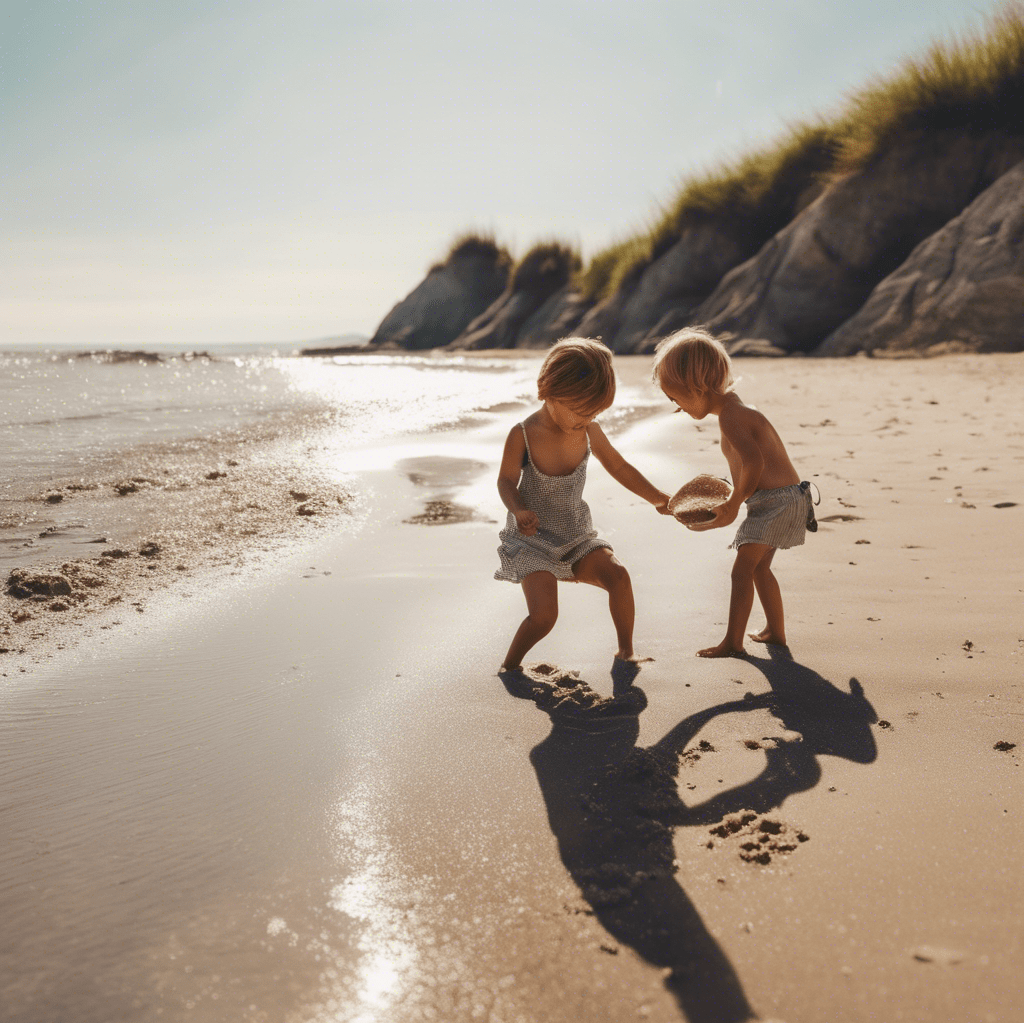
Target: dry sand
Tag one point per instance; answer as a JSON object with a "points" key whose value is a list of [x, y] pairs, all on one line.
{"points": [[308, 797]]}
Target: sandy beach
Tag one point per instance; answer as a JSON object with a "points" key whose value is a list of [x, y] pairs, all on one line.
{"points": [[301, 792]]}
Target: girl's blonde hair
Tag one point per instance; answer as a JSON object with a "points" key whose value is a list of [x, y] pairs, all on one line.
{"points": [[694, 361], [578, 373]]}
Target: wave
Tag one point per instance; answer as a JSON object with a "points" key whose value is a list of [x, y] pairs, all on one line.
{"points": [[115, 357]]}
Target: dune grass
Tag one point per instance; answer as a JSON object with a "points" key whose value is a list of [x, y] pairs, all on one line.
{"points": [[974, 83], [749, 199], [474, 244], [548, 266]]}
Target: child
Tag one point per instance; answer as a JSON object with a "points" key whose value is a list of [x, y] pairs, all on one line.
{"points": [[548, 535], [694, 370]]}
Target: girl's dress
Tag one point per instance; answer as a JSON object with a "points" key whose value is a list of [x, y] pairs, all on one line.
{"points": [[565, 533]]}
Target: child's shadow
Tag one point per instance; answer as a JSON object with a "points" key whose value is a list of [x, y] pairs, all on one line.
{"points": [[613, 807]]}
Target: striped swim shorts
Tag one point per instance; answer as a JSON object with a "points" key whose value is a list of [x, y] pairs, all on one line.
{"points": [[779, 518]]}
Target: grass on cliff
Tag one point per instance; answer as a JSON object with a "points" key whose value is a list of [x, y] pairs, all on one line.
{"points": [[474, 244], [547, 267], [751, 199], [973, 83]]}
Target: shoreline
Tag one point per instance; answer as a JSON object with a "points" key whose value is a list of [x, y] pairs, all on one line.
{"points": [[151, 526]]}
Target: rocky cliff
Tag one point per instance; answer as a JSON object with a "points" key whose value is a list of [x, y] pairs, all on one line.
{"points": [[454, 292], [894, 227], [962, 289]]}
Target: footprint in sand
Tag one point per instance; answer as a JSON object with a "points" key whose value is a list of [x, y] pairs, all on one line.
{"points": [[760, 839]]}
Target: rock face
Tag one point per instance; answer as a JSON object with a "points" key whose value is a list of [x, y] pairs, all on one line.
{"points": [[672, 287], [451, 296], [961, 289], [604, 319], [819, 270], [558, 317], [543, 272]]}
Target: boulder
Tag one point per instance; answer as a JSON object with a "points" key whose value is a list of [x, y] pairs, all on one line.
{"points": [[451, 296], [820, 269], [543, 272], [962, 289]]}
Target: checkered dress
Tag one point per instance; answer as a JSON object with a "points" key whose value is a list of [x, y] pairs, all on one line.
{"points": [[566, 532]]}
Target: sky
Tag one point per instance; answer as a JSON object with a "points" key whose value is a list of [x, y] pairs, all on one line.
{"points": [[204, 172]]}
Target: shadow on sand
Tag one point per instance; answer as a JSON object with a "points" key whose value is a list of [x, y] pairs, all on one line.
{"points": [[613, 806]]}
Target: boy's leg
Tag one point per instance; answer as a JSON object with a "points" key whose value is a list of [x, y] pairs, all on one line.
{"points": [[602, 568], [770, 595], [541, 592], [748, 557]]}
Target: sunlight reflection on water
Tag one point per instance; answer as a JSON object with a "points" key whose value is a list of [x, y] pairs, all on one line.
{"points": [[385, 905], [384, 396]]}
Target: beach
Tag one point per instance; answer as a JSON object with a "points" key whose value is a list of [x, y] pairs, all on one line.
{"points": [[295, 789]]}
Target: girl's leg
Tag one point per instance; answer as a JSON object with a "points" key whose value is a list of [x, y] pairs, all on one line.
{"points": [[541, 592], [602, 568], [748, 557], [770, 595]]}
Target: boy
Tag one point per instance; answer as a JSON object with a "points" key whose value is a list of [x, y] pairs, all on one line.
{"points": [[694, 370]]}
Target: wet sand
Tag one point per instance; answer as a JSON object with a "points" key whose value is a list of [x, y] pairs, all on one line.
{"points": [[307, 796], [83, 553]]}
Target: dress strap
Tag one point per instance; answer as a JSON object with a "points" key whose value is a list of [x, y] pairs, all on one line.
{"points": [[526, 440]]}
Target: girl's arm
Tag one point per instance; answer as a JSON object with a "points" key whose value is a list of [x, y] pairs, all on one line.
{"points": [[618, 468], [508, 482]]}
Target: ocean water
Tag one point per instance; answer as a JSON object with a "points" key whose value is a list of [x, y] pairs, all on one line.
{"points": [[72, 425], [63, 415]]}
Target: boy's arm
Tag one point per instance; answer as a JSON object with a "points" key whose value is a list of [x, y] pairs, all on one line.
{"points": [[508, 482], [619, 469], [747, 464]]}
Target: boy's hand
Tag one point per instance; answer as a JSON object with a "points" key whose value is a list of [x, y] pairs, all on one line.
{"points": [[661, 505], [527, 521], [724, 514]]}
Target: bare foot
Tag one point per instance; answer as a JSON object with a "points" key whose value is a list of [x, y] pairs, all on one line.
{"points": [[766, 636], [724, 649], [632, 658]]}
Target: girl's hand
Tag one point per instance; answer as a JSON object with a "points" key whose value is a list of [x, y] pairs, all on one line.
{"points": [[724, 514], [661, 505], [527, 521]]}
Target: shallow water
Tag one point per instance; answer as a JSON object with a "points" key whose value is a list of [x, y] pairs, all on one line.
{"points": [[61, 414], [76, 428]]}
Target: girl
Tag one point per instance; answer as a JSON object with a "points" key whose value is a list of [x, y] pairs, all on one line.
{"points": [[549, 535]]}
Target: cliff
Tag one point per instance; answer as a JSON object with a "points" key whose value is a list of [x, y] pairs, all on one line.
{"points": [[454, 292], [893, 227]]}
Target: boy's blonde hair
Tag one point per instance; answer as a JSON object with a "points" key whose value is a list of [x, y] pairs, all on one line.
{"points": [[693, 360], [578, 373]]}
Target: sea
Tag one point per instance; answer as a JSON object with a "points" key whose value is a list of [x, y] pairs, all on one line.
{"points": [[74, 422]]}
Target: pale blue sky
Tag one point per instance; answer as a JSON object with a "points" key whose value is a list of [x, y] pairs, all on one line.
{"points": [[209, 171]]}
